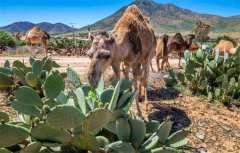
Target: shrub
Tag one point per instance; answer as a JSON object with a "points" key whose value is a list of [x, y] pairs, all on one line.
{"points": [[6, 40]]}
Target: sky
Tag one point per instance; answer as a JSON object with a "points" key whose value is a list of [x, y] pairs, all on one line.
{"points": [[85, 12]]}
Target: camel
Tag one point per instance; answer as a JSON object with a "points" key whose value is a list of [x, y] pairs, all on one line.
{"points": [[161, 51], [226, 47], [179, 44], [35, 36], [132, 42]]}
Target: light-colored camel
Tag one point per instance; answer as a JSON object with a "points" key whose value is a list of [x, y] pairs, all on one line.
{"points": [[132, 42], [161, 52], [226, 46], [35, 36]]}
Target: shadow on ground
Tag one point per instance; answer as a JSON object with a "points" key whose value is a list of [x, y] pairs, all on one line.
{"points": [[178, 116], [163, 94]]}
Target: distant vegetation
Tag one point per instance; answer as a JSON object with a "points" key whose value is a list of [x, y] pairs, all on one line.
{"points": [[6, 40]]}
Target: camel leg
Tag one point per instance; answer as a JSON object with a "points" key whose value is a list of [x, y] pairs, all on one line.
{"points": [[179, 59], [167, 63], [135, 71], [116, 69], [144, 82], [151, 66], [45, 46], [126, 69], [158, 64]]}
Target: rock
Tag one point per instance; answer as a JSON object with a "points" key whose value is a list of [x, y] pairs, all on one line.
{"points": [[200, 135]]}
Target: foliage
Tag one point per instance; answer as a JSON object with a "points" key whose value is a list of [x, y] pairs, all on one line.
{"points": [[57, 44], [57, 118], [6, 40], [215, 77]]}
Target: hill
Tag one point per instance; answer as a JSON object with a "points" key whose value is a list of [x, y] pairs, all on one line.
{"points": [[170, 18], [48, 27]]}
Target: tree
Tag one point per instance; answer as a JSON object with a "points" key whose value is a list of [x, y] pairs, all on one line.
{"points": [[6, 40], [201, 31]]}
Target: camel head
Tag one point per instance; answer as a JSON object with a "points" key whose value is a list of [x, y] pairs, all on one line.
{"points": [[189, 40], [18, 36], [100, 54]]}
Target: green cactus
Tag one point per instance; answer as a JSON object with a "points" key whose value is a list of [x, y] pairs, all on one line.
{"points": [[20, 65], [37, 67], [64, 116], [100, 87], [13, 133], [49, 136], [164, 150], [120, 147], [113, 103], [53, 86], [33, 147], [178, 139], [31, 79], [18, 73], [80, 99], [28, 96], [123, 129], [138, 132], [106, 95], [96, 120], [4, 118], [26, 109], [102, 141], [7, 64], [5, 81], [73, 77], [3, 150]]}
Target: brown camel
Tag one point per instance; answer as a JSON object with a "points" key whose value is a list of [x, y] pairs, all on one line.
{"points": [[35, 36], [132, 42], [226, 46], [179, 44]]}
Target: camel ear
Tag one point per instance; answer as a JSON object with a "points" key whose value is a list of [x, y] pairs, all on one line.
{"points": [[90, 36]]}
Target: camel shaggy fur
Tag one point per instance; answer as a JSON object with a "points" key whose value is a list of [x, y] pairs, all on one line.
{"points": [[132, 42], [35, 36]]}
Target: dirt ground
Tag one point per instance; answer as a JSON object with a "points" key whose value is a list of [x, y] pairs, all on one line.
{"points": [[214, 128]]}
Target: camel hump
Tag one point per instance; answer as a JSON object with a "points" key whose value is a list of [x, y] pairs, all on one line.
{"points": [[133, 9], [36, 29]]}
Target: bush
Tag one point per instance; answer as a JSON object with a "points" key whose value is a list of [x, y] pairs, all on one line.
{"points": [[6, 40]]}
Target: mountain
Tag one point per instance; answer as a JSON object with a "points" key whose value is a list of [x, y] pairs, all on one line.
{"points": [[48, 27], [170, 18]]}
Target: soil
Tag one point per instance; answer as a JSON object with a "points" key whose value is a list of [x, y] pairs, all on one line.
{"points": [[214, 127]]}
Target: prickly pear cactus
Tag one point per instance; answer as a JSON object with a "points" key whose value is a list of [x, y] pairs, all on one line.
{"points": [[53, 86], [11, 135], [64, 116], [4, 118]]}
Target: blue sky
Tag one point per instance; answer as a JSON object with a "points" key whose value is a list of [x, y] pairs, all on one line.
{"points": [[84, 12]]}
